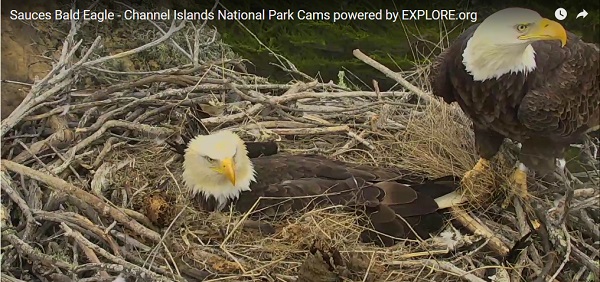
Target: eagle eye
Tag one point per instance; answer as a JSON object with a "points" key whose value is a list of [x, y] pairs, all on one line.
{"points": [[522, 27], [210, 159]]}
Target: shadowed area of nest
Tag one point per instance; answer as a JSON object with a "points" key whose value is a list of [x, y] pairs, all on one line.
{"points": [[326, 263]]}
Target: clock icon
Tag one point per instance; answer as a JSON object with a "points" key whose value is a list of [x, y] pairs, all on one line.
{"points": [[560, 14]]}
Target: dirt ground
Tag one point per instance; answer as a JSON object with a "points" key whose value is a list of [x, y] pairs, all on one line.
{"points": [[21, 56]]}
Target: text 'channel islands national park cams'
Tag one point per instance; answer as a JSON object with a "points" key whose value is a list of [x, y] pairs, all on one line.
{"points": [[260, 15]]}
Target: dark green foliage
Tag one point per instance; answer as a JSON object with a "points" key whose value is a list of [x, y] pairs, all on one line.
{"points": [[324, 48]]}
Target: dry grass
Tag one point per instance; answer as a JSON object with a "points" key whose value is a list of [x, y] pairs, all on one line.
{"points": [[103, 188], [437, 141]]}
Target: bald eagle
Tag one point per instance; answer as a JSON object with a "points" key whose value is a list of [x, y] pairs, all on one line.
{"points": [[523, 77], [218, 171]]}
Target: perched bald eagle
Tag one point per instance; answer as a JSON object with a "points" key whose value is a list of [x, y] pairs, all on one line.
{"points": [[520, 76], [217, 169]]}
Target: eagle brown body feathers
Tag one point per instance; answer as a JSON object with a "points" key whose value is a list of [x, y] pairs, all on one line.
{"points": [[296, 183], [544, 110]]}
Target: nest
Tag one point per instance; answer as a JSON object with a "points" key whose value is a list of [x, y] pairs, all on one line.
{"points": [[91, 191]]}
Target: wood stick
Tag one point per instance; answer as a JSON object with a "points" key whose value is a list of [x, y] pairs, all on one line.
{"points": [[394, 75], [474, 226], [92, 200]]}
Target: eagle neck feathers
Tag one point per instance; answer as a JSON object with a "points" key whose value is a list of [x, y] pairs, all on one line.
{"points": [[477, 59], [223, 195]]}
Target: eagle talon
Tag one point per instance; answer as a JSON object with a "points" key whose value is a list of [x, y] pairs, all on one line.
{"points": [[520, 181], [469, 176], [519, 186]]}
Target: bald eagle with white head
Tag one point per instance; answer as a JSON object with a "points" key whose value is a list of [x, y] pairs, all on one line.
{"points": [[523, 77], [218, 171]]}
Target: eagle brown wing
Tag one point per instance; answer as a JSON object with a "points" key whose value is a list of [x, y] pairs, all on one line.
{"points": [[296, 183], [565, 107], [442, 66], [562, 104]]}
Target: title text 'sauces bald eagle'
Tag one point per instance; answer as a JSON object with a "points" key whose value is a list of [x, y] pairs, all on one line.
{"points": [[523, 77], [217, 167]]}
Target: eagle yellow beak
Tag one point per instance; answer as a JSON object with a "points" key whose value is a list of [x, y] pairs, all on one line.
{"points": [[226, 168], [546, 29]]}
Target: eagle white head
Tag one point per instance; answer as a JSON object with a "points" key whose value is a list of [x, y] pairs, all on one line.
{"points": [[218, 165], [501, 44]]}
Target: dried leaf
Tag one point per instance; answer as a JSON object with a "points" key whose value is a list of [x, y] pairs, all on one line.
{"points": [[213, 110]]}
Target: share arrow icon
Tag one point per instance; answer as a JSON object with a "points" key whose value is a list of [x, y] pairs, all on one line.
{"points": [[582, 14]]}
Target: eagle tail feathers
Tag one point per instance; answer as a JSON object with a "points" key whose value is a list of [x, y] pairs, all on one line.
{"points": [[451, 199]]}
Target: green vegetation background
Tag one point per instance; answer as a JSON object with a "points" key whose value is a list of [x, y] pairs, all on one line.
{"points": [[324, 48]]}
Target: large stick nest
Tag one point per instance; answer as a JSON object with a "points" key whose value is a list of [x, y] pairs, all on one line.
{"points": [[91, 191]]}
